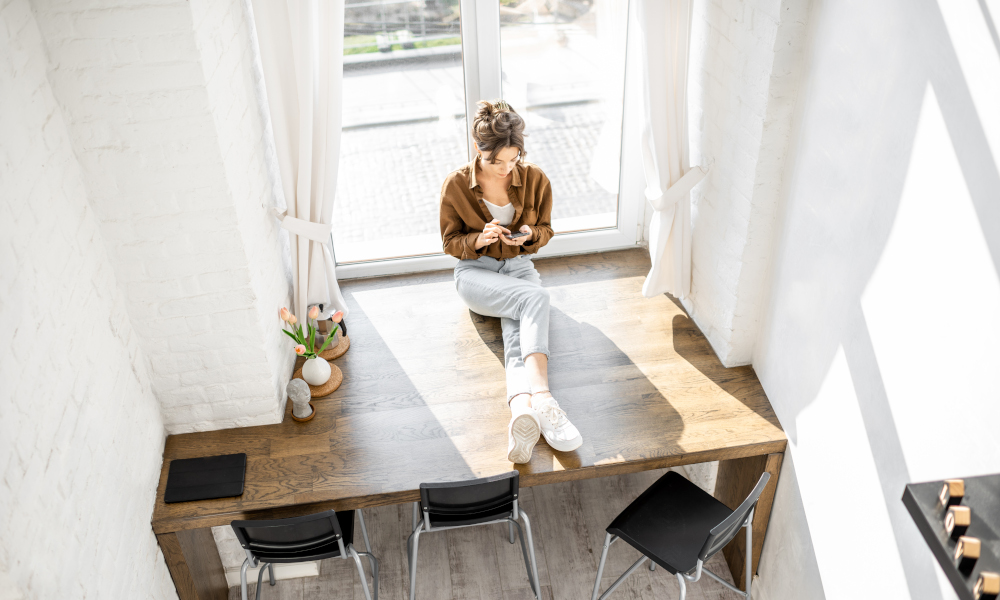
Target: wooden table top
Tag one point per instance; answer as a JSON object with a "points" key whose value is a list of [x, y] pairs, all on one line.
{"points": [[423, 398]]}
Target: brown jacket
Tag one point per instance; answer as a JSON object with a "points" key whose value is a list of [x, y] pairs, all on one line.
{"points": [[464, 214]]}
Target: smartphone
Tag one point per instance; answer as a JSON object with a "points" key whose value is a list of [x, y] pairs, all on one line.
{"points": [[516, 235]]}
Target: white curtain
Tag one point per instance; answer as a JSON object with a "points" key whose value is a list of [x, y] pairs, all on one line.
{"points": [[665, 28], [611, 18], [302, 53]]}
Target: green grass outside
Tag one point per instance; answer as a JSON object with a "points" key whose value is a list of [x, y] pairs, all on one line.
{"points": [[370, 46]]}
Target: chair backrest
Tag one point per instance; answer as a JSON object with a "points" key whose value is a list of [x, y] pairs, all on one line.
{"points": [[469, 502], [321, 535], [725, 531]]}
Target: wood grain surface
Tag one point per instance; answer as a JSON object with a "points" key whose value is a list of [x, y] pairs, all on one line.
{"points": [[423, 399], [194, 564]]}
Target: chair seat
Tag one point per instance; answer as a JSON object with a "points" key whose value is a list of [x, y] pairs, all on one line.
{"points": [[329, 549], [670, 522]]}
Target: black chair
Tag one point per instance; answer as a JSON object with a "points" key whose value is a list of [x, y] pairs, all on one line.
{"points": [[466, 504], [677, 525], [313, 537]]}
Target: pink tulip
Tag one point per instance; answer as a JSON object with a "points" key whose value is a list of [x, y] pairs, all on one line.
{"points": [[300, 349], [292, 320], [314, 312], [284, 314], [338, 316]]}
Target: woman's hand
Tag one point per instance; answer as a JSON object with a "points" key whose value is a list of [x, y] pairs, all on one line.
{"points": [[491, 234], [521, 240]]}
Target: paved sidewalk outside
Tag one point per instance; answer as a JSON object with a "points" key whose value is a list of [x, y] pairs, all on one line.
{"points": [[390, 176]]}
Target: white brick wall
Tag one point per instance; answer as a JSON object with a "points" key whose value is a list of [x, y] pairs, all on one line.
{"points": [[235, 79], [164, 121], [743, 81], [81, 435]]}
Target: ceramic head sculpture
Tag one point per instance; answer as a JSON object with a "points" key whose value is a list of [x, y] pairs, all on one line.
{"points": [[298, 393]]}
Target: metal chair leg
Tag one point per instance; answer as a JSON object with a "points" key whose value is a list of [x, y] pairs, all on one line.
{"points": [[510, 530], [416, 515], [652, 565], [600, 566], [531, 551], [361, 571], [527, 561], [680, 582], [243, 579], [415, 544], [270, 573], [625, 575], [748, 566], [364, 531], [374, 564], [260, 580]]}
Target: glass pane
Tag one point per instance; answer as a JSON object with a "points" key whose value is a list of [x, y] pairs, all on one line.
{"points": [[563, 67], [404, 126]]}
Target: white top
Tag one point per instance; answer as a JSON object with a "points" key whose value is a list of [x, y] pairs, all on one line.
{"points": [[505, 214]]}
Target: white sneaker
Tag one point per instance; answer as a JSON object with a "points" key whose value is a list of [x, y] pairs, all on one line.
{"points": [[522, 435], [558, 431]]}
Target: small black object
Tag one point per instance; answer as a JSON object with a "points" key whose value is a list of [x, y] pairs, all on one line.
{"points": [[205, 478], [519, 234]]}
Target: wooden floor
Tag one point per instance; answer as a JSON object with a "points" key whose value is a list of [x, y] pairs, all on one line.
{"points": [[568, 521]]}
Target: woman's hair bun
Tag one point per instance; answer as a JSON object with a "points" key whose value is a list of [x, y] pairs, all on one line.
{"points": [[496, 126]]}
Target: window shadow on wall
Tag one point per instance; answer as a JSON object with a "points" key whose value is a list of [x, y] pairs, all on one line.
{"points": [[844, 187]]}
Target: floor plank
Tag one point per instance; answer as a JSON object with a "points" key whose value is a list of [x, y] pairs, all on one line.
{"points": [[472, 561], [513, 575]]}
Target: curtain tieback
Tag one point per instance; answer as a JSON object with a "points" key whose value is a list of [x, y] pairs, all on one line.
{"points": [[318, 232], [680, 188]]}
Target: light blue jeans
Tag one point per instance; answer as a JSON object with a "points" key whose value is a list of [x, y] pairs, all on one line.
{"points": [[512, 290]]}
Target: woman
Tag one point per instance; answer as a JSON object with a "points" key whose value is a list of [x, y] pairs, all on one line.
{"points": [[481, 204]]}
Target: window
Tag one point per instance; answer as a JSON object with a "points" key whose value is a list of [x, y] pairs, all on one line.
{"points": [[413, 71], [563, 67]]}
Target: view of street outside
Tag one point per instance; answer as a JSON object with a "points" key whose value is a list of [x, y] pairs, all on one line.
{"points": [[404, 115]]}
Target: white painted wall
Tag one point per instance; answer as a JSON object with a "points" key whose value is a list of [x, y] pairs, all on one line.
{"points": [[81, 436], [878, 348], [744, 76], [163, 117]]}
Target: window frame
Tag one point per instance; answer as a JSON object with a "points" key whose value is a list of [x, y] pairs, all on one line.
{"points": [[481, 67]]}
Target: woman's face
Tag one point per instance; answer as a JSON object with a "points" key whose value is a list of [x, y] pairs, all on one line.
{"points": [[506, 160]]}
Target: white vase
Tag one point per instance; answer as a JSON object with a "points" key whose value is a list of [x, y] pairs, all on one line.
{"points": [[316, 371]]}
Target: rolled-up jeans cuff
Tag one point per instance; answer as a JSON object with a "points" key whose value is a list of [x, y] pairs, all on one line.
{"points": [[536, 350]]}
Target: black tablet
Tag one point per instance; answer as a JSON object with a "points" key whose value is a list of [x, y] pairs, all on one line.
{"points": [[205, 478]]}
